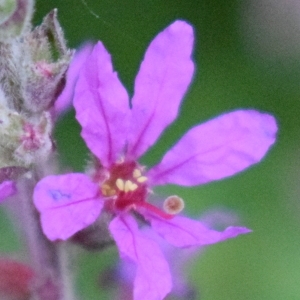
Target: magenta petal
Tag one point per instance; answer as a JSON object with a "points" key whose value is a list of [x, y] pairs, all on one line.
{"points": [[184, 232], [7, 188], [67, 203], [160, 85], [152, 280], [102, 107], [65, 99], [216, 149]]}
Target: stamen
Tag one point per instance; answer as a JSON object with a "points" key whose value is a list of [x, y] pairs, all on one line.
{"points": [[173, 205], [129, 186], [133, 186], [155, 210], [120, 184], [137, 173], [107, 190], [142, 179]]}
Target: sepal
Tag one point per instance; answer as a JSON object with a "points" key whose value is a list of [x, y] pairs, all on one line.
{"points": [[48, 62], [15, 16], [33, 67]]}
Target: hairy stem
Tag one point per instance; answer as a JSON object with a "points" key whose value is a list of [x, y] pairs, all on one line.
{"points": [[66, 272], [49, 259], [42, 252]]}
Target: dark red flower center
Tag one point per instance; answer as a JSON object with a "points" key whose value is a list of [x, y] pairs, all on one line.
{"points": [[126, 185]]}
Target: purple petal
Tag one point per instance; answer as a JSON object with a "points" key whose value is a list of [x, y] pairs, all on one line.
{"points": [[160, 85], [219, 218], [152, 281], [7, 188], [217, 149], [67, 203], [102, 107], [64, 100], [184, 232]]}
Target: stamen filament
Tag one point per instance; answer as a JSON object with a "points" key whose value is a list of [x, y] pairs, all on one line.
{"points": [[155, 210]]}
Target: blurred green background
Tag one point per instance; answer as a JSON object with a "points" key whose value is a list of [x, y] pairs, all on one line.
{"points": [[247, 56]]}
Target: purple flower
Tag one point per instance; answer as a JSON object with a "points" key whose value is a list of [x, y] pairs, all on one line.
{"points": [[64, 100], [179, 261], [118, 135]]}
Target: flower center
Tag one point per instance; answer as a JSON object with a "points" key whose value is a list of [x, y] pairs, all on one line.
{"points": [[126, 186]]}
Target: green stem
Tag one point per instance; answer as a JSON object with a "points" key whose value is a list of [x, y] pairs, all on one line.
{"points": [[66, 271]]}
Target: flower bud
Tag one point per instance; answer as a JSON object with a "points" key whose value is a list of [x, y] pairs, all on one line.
{"points": [[49, 61], [32, 74], [23, 142], [33, 67], [14, 17]]}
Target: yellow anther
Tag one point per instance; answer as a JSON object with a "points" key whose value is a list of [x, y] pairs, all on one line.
{"points": [[107, 190], [129, 186], [142, 179], [120, 184], [133, 186], [137, 173]]}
